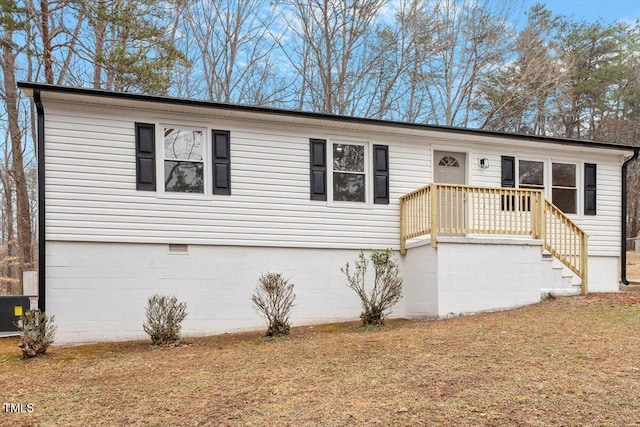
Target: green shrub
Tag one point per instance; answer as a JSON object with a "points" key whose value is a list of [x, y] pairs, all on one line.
{"points": [[164, 317], [37, 333], [273, 299], [386, 290]]}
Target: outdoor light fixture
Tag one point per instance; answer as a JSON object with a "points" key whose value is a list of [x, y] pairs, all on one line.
{"points": [[484, 163]]}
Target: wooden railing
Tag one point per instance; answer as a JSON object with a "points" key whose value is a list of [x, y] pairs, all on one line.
{"points": [[464, 209], [566, 241]]}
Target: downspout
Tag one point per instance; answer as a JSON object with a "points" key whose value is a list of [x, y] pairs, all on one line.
{"points": [[41, 201], [623, 246]]}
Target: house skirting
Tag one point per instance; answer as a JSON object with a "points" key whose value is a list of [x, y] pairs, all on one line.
{"points": [[468, 274], [98, 291]]}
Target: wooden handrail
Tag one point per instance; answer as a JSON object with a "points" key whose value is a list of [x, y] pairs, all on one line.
{"points": [[466, 209], [565, 240]]}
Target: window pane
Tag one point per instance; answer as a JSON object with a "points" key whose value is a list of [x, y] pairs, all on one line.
{"points": [[564, 199], [348, 187], [183, 177], [183, 144], [531, 173], [449, 162], [563, 175], [348, 158]]}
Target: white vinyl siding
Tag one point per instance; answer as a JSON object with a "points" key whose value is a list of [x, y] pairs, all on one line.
{"points": [[91, 195]]}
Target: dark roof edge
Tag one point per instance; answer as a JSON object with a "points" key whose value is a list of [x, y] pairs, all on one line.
{"points": [[312, 115]]}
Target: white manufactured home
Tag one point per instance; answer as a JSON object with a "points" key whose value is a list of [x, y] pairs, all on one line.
{"points": [[142, 194]]}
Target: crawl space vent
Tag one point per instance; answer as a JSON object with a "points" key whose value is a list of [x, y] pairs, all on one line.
{"points": [[178, 249]]}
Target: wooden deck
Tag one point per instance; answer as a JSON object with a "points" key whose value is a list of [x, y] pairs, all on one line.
{"points": [[469, 210]]}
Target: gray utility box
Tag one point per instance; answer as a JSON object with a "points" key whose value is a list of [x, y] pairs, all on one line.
{"points": [[11, 308]]}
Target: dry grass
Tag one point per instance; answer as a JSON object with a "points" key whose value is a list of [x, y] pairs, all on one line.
{"points": [[568, 361]]}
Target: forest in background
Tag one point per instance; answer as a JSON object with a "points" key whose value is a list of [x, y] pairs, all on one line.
{"points": [[468, 63]]}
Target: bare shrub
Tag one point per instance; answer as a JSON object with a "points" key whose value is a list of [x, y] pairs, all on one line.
{"points": [[37, 333], [386, 290], [273, 299], [164, 319]]}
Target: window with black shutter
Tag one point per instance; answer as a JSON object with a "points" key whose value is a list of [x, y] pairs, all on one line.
{"points": [[350, 171], [186, 165], [145, 156], [590, 170]]}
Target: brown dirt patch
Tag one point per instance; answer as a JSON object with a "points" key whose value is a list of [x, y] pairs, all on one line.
{"points": [[633, 266], [568, 361]]}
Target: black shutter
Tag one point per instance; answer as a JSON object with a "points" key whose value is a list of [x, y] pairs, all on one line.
{"points": [[508, 172], [221, 140], [589, 189], [381, 174], [508, 165], [318, 167], [145, 157]]}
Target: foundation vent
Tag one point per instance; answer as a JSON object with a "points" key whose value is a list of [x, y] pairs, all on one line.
{"points": [[178, 249]]}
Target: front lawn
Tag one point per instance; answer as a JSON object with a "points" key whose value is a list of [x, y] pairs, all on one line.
{"points": [[568, 361]]}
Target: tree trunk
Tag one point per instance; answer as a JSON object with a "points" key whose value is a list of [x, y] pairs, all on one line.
{"points": [[17, 167], [8, 222], [46, 41], [100, 28]]}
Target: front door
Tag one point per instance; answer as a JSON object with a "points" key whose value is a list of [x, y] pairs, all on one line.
{"points": [[449, 168]]}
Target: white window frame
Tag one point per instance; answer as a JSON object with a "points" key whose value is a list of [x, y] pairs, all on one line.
{"points": [[368, 181], [548, 178], [579, 185], [206, 159]]}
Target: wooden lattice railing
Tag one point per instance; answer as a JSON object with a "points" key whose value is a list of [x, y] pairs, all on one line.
{"points": [[464, 209]]}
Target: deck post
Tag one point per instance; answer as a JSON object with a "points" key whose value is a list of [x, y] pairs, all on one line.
{"points": [[542, 220], [584, 263], [403, 226], [435, 208], [535, 216]]}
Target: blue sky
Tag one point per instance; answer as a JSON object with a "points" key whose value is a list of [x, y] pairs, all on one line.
{"points": [[592, 10]]}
